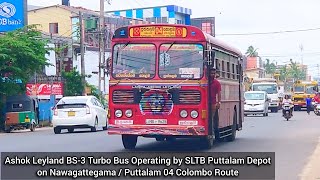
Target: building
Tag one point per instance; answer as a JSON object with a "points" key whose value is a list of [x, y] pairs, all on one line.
{"points": [[170, 14], [63, 31], [206, 24], [253, 67]]}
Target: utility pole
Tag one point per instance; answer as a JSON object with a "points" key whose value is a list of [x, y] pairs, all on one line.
{"points": [[101, 42], [83, 72]]}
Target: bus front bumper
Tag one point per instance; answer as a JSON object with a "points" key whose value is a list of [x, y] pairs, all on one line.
{"points": [[156, 130]]}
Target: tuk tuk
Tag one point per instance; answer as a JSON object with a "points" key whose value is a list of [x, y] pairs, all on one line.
{"points": [[22, 112]]}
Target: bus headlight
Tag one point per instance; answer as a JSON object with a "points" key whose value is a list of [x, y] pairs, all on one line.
{"points": [[194, 114], [183, 113], [118, 113], [128, 113]]}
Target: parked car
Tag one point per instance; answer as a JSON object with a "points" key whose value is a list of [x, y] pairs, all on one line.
{"points": [[256, 102], [79, 112]]}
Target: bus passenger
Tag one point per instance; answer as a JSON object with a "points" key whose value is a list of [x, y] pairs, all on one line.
{"points": [[215, 92]]}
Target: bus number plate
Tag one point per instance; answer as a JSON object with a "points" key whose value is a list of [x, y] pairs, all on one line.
{"points": [[156, 121]]}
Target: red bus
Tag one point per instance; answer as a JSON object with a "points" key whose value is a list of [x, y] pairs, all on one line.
{"points": [[159, 87]]}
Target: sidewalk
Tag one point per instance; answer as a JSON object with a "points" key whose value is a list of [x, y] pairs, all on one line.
{"points": [[311, 170], [41, 126]]}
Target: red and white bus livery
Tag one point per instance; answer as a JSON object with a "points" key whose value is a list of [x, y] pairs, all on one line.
{"points": [[159, 85]]}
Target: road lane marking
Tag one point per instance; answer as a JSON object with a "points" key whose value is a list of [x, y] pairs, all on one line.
{"points": [[311, 169]]}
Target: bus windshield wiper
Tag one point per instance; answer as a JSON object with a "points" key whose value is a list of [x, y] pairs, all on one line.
{"points": [[170, 46], [120, 49]]}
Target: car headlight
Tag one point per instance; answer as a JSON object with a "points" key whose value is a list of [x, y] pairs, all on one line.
{"points": [[118, 113], [183, 113], [194, 114], [128, 113]]}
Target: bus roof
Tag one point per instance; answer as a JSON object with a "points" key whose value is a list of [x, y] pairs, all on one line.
{"points": [[192, 33], [222, 44]]}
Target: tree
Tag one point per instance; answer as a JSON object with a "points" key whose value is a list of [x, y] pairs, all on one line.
{"points": [[296, 72], [72, 83], [252, 52], [22, 54], [270, 67]]}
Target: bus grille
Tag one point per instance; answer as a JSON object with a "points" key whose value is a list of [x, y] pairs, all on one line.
{"points": [[189, 97], [123, 97], [298, 99]]}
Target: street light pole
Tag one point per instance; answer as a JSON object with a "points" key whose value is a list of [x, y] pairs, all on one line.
{"points": [[83, 72]]}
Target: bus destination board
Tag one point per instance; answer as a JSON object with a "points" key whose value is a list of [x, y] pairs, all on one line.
{"points": [[158, 31]]}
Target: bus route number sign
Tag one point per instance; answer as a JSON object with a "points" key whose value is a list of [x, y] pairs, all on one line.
{"points": [[158, 31]]}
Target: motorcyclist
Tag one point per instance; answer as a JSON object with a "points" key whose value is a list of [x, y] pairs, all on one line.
{"points": [[287, 100], [317, 98]]}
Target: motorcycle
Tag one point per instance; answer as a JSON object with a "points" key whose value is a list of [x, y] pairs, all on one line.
{"points": [[286, 111], [316, 109]]}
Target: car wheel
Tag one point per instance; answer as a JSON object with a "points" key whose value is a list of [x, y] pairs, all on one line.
{"points": [[57, 130], [94, 129], [70, 130]]}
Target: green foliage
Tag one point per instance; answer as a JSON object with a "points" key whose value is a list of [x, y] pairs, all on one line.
{"points": [[95, 92], [270, 67], [73, 83], [22, 53], [252, 52]]}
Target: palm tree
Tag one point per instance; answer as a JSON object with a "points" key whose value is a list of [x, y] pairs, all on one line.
{"points": [[270, 67], [295, 72], [252, 52]]}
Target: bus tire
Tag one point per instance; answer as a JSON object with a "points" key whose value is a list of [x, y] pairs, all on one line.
{"points": [[129, 141], [207, 142], [232, 137]]}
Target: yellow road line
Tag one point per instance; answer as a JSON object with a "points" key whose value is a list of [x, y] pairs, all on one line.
{"points": [[311, 169]]}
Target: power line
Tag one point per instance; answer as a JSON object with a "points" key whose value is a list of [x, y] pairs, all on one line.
{"points": [[274, 32]]}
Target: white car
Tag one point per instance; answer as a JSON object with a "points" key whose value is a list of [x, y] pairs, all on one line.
{"points": [[256, 102], [79, 112]]}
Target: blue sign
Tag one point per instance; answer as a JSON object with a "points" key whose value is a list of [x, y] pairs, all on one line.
{"points": [[11, 15]]}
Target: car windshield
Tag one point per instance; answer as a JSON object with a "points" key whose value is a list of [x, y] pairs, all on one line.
{"points": [[181, 61], [298, 89], [254, 96], [134, 61], [269, 88], [309, 90]]}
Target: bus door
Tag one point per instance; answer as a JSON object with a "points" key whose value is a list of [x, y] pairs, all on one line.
{"points": [[212, 121]]}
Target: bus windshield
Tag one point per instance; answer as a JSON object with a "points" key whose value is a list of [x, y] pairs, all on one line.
{"points": [[269, 88], [181, 61], [298, 89], [134, 61], [309, 90]]}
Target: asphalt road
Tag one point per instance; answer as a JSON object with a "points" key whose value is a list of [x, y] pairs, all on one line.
{"points": [[293, 141]]}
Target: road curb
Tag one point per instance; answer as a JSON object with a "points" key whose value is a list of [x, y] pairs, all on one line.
{"points": [[311, 169]]}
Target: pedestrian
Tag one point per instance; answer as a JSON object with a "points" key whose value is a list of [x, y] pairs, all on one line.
{"points": [[215, 92], [309, 104]]}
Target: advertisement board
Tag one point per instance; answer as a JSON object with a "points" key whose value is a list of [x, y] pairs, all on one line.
{"points": [[44, 89], [11, 15]]}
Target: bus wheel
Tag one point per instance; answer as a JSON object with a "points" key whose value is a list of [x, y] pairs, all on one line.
{"points": [[207, 142], [129, 141], [233, 134], [160, 138]]}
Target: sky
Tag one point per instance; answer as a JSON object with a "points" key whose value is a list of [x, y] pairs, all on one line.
{"points": [[237, 20]]}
